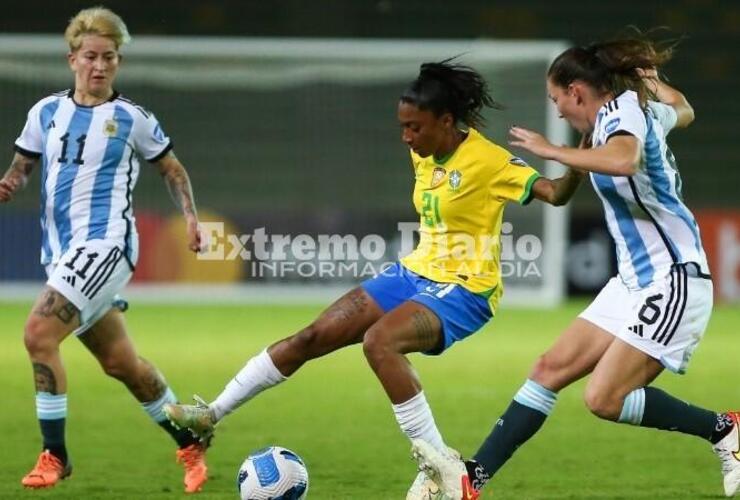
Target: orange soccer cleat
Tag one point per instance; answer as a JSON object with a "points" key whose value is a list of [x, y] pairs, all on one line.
{"points": [[47, 472], [193, 459]]}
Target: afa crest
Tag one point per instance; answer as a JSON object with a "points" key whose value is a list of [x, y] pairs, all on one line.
{"points": [[455, 180], [110, 128]]}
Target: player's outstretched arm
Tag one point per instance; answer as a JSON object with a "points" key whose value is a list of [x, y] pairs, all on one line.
{"points": [[178, 182], [620, 156], [670, 96], [16, 177], [559, 191]]}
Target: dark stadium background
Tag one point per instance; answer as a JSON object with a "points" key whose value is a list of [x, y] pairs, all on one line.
{"points": [[706, 66]]}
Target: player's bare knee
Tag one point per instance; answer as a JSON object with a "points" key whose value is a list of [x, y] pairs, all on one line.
{"points": [[602, 404], [375, 345], [38, 336], [548, 372], [118, 370]]}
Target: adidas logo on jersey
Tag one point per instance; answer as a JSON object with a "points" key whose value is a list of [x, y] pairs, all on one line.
{"points": [[637, 329], [70, 279]]}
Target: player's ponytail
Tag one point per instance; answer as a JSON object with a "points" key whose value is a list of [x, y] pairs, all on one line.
{"points": [[611, 67], [447, 87]]}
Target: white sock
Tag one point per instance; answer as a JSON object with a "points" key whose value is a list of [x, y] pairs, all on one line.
{"points": [[257, 375], [416, 421]]}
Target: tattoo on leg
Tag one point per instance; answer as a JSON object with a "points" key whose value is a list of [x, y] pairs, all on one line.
{"points": [[67, 312], [44, 378], [425, 330], [354, 303], [46, 308], [151, 384], [55, 304]]}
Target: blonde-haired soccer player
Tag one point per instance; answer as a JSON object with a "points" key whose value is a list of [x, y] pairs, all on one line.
{"points": [[445, 290], [87, 139]]}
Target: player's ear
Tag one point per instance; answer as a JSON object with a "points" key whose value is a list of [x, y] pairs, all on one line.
{"points": [[71, 57], [448, 120], [576, 90]]}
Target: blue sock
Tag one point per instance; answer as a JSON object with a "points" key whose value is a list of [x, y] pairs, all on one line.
{"points": [[51, 410], [521, 420]]}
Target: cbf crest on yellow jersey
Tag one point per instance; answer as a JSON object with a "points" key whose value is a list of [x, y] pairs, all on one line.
{"points": [[460, 201]]}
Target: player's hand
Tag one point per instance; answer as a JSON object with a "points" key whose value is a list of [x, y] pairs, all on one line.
{"points": [[651, 78], [196, 239], [532, 142], [6, 190]]}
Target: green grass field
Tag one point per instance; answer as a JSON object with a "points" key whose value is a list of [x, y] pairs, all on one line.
{"points": [[336, 416]]}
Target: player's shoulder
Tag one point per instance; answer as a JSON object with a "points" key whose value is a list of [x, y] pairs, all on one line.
{"points": [[52, 98], [619, 112], [626, 103], [137, 110], [495, 155]]}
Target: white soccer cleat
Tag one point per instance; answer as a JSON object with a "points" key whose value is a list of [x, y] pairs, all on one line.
{"points": [[446, 470], [728, 451], [424, 488]]}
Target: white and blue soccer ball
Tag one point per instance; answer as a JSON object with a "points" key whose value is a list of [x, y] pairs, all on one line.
{"points": [[272, 473]]}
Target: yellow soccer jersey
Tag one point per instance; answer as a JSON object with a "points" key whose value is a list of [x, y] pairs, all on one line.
{"points": [[461, 205]]}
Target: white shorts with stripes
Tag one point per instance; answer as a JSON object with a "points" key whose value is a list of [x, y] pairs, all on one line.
{"points": [[666, 320], [90, 275]]}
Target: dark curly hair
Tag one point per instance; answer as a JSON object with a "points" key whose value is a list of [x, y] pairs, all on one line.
{"points": [[449, 87]]}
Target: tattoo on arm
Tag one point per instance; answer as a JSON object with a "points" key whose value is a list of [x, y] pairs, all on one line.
{"points": [[20, 168], [427, 335], [44, 378], [55, 304], [178, 184]]}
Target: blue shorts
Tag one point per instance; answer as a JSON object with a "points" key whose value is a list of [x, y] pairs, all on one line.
{"points": [[460, 311]]}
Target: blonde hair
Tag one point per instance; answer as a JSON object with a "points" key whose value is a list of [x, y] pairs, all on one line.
{"points": [[96, 21]]}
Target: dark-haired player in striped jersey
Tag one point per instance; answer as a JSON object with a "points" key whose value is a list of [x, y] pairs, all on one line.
{"points": [[86, 141], [652, 315]]}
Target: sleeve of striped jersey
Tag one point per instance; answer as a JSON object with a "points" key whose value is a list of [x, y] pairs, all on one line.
{"points": [[30, 142], [627, 119], [665, 115], [150, 141], [514, 181]]}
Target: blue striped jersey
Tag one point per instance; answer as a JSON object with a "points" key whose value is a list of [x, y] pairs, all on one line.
{"points": [[651, 226], [89, 169]]}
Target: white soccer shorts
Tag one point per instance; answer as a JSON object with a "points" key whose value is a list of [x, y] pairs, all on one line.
{"points": [[90, 275], [666, 320]]}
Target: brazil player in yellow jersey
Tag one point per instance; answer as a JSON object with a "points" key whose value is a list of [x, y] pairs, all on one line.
{"points": [[445, 290]]}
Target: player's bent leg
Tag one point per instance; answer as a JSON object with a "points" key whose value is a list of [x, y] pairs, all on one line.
{"points": [[411, 327], [341, 324], [574, 354], [52, 318], [625, 366], [621, 370], [109, 342]]}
